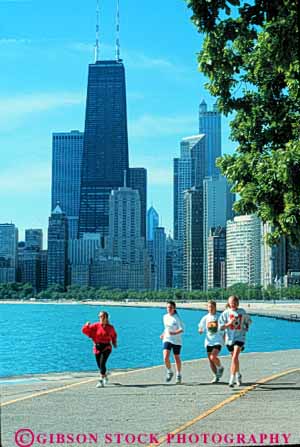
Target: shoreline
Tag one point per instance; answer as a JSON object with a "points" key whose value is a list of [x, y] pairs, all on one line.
{"points": [[289, 311]]}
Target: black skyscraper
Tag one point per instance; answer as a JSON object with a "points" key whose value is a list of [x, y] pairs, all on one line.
{"points": [[137, 179], [105, 147], [57, 248]]}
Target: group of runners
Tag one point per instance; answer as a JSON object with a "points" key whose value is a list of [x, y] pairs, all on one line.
{"points": [[229, 328]]}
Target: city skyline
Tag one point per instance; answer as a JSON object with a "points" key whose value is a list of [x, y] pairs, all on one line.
{"points": [[41, 100]]}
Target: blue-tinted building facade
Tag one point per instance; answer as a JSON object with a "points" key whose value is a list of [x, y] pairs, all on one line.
{"points": [[34, 239], [152, 222], [67, 148], [210, 125], [189, 171], [58, 236], [105, 147], [137, 179]]}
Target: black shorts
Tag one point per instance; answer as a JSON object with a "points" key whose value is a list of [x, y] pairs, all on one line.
{"points": [[241, 344], [170, 346], [210, 348]]}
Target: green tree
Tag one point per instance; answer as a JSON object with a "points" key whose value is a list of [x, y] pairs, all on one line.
{"points": [[250, 55]]}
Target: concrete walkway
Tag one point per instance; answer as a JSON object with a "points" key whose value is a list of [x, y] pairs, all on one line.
{"points": [[146, 410]]}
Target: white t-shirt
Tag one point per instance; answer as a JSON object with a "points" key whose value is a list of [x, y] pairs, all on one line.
{"points": [[209, 325], [172, 323], [237, 331]]}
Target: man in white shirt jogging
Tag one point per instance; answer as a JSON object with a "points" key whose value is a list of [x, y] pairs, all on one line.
{"points": [[172, 341]]}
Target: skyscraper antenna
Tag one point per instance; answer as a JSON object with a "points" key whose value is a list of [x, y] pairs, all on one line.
{"points": [[97, 44], [118, 31]]}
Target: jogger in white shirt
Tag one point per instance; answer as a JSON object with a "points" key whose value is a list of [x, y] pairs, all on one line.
{"points": [[172, 341], [214, 340], [235, 322]]}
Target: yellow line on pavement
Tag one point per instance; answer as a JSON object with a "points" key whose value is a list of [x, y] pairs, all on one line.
{"points": [[72, 385], [222, 404], [43, 393]]}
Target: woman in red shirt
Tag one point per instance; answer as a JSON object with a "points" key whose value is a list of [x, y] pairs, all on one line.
{"points": [[103, 335]]}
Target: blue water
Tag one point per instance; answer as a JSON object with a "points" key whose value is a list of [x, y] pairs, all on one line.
{"points": [[43, 338]]}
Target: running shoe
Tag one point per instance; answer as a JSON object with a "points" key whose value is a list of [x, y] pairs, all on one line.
{"points": [[220, 372], [169, 376], [215, 379], [178, 379], [231, 382], [100, 384], [238, 379], [105, 380]]}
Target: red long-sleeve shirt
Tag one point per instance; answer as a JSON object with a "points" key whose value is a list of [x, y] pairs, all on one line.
{"points": [[100, 334]]}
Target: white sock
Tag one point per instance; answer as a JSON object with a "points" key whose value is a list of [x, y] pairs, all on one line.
{"points": [[169, 370], [231, 378]]}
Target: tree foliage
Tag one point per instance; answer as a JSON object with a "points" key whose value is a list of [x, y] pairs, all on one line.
{"points": [[250, 55]]}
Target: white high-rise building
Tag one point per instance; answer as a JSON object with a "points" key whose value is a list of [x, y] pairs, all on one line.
{"points": [[125, 241], [243, 250], [217, 209]]}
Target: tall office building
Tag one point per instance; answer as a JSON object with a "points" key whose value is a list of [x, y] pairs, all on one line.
{"points": [[67, 150], [34, 239], [210, 125], [83, 251], [81, 255], [177, 265], [152, 222], [57, 248], [137, 179], [29, 268], [243, 250], [189, 171], [125, 239], [125, 243], [193, 239], [217, 209], [44, 269], [105, 146], [216, 258], [159, 257], [8, 252], [169, 261]]}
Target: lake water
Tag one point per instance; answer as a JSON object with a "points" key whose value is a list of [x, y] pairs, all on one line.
{"points": [[43, 338]]}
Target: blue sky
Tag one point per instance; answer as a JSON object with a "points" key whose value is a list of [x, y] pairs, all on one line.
{"points": [[45, 50]]}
